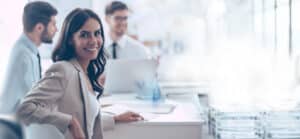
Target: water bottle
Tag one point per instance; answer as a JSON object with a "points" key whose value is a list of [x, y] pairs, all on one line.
{"points": [[156, 95], [149, 90]]}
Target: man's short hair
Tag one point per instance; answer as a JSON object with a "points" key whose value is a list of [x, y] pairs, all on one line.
{"points": [[115, 6], [37, 12]]}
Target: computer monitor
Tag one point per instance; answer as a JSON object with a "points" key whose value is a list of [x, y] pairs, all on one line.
{"points": [[122, 75]]}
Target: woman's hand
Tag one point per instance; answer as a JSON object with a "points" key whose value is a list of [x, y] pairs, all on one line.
{"points": [[101, 79], [128, 117], [76, 129]]}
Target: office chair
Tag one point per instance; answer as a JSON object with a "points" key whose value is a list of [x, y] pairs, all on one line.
{"points": [[10, 128]]}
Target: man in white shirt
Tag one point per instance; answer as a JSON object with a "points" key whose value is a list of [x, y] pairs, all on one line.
{"points": [[24, 68], [118, 44]]}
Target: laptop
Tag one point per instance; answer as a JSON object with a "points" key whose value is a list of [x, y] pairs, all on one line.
{"points": [[123, 75]]}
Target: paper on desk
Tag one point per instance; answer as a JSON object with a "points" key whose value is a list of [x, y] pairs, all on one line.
{"points": [[116, 109], [148, 111]]}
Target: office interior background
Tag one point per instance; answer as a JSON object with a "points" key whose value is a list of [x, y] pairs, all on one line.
{"points": [[247, 49]]}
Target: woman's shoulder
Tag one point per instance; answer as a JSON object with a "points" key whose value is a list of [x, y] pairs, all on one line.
{"points": [[62, 66]]}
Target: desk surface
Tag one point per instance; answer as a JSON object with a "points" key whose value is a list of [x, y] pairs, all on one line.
{"points": [[186, 109], [185, 121]]}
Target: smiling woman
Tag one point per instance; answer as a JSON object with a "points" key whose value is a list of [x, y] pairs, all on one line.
{"points": [[67, 96], [66, 86]]}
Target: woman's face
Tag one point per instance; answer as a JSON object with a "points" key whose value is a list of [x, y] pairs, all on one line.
{"points": [[88, 40]]}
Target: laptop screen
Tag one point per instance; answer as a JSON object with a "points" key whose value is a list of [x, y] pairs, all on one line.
{"points": [[122, 75]]}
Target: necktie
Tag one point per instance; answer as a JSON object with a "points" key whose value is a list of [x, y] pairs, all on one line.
{"points": [[40, 67], [114, 50]]}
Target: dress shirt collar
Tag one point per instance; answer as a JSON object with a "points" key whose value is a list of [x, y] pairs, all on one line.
{"points": [[31, 46], [120, 43]]}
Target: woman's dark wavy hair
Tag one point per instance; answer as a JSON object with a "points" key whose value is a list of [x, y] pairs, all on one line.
{"points": [[64, 50]]}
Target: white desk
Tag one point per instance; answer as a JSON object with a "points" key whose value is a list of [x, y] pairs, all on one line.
{"points": [[184, 122]]}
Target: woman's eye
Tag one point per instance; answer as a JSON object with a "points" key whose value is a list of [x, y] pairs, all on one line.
{"points": [[97, 33], [84, 35]]}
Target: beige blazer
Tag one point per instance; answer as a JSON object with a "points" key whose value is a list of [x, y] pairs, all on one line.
{"points": [[59, 95]]}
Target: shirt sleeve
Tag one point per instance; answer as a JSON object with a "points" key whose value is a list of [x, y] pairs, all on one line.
{"points": [[141, 50], [108, 121]]}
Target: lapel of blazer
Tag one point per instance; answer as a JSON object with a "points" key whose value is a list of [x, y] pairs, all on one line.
{"points": [[83, 94]]}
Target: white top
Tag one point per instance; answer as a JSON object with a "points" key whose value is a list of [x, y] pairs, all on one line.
{"points": [[94, 109], [127, 48]]}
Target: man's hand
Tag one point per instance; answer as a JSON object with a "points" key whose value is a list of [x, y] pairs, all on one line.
{"points": [[128, 117], [76, 129]]}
